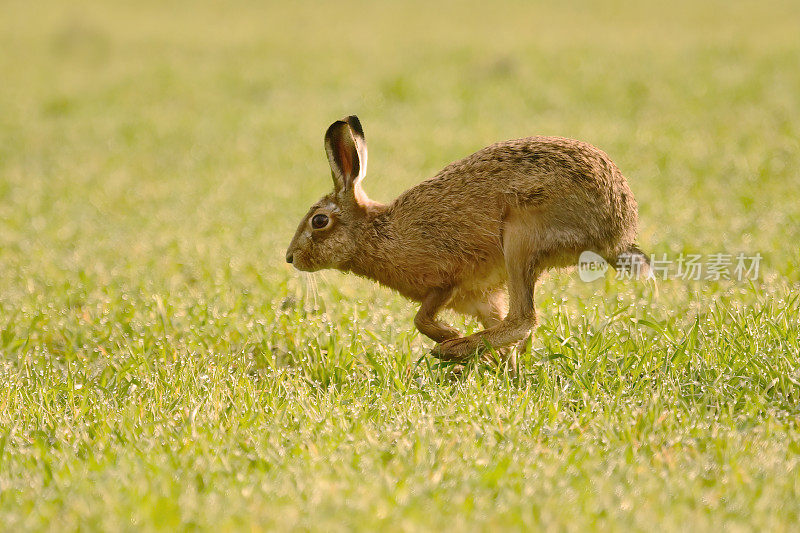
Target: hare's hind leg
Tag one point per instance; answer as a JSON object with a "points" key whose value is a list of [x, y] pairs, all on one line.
{"points": [[491, 311], [426, 321], [523, 270]]}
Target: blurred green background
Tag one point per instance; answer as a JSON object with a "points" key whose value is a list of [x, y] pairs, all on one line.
{"points": [[162, 366]]}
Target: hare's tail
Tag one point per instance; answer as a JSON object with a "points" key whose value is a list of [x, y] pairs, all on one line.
{"points": [[636, 264], [633, 262]]}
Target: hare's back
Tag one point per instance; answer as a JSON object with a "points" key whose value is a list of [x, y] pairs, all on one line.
{"points": [[565, 184], [529, 171], [553, 162]]}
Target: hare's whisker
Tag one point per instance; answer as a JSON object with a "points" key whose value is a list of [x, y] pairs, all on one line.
{"points": [[314, 289]]}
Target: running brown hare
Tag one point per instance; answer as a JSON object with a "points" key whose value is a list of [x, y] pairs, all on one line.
{"points": [[474, 238]]}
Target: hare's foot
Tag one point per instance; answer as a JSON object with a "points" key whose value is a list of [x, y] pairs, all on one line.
{"points": [[492, 344], [460, 349]]}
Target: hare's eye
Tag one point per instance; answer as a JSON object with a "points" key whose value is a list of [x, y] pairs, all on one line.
{"points": [[319, 221]]}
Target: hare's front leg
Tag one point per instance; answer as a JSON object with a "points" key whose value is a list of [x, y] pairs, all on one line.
{"points": [[523, 271], [426, 320]]}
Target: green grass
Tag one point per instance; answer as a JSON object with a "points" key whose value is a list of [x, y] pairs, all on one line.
{"points": [[162, 367]]}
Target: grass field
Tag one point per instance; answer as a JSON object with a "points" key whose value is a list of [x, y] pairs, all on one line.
{"points": [[161, 366]]}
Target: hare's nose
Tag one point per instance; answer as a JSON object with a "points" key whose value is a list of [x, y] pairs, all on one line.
{"points": [[289, 257]]}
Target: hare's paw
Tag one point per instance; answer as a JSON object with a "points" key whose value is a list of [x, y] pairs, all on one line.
{"points": [[460, 349]]}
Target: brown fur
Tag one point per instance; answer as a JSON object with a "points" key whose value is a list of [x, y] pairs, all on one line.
{"points": [[485, 226]]}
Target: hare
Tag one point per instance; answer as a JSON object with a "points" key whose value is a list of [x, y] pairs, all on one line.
{"points": [[474, 238]]}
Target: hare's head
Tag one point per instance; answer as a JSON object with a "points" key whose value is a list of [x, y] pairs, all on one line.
{"points": [[329, 233]]}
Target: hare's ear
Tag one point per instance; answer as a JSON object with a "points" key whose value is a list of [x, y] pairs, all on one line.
{"points": [[347, 153]]}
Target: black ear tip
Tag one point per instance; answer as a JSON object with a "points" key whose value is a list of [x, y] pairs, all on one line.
{"points": [[351, 122], [355, 124], [333, 127]]}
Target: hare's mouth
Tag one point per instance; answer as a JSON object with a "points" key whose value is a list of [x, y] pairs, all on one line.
{"points": [[296, 260], [303, 266]]}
